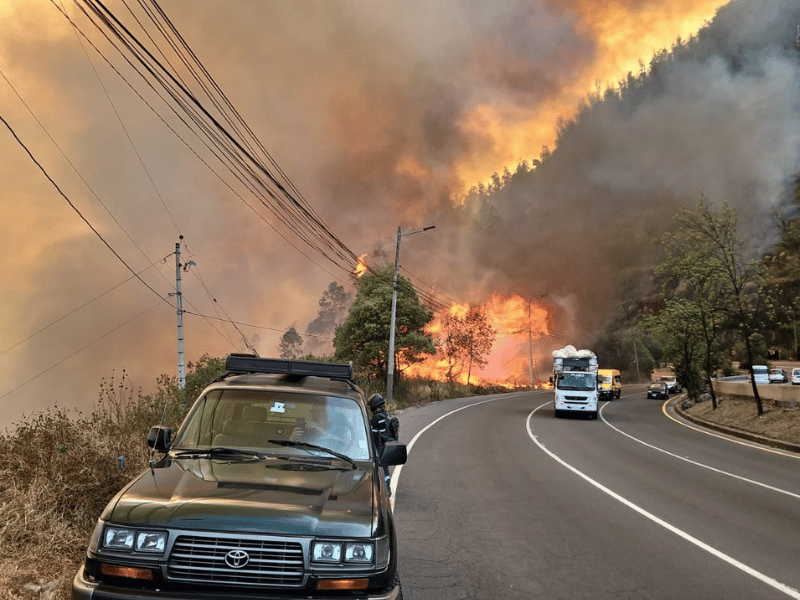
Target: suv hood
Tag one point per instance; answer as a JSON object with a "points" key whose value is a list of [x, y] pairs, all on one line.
{"points": [[303, 497]]}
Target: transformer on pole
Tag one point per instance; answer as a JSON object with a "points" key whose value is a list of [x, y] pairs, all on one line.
{"points": [[179, 303]]}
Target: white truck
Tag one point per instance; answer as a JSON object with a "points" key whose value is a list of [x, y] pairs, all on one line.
{"points": [[575, 381]]}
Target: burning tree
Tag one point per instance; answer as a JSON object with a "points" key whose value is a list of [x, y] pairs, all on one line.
{"points": [[466, 342], [364, 336]]}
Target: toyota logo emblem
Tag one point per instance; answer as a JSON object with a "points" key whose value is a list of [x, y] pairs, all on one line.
{"points": [[236, 559]]}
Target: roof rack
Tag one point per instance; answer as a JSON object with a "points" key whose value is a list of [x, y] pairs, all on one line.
{"points": [[250, 363]]}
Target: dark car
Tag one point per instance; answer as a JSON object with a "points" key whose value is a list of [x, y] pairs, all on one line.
{"points": [[271, 488], [657, 389]]}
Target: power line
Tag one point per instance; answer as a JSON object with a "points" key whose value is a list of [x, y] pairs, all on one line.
{"points": [[78, 212]]}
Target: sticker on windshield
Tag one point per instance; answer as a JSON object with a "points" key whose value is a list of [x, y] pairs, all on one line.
{"points": [[278, 407]]}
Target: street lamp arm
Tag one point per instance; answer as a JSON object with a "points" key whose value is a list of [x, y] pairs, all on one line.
{"points": [[390, 370]]}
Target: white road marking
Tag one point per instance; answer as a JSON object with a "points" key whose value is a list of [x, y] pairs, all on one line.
{"points": [[789, 591], [727, 438], [698, 464]]}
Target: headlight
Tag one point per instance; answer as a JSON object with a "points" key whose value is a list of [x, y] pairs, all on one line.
{"points": [[326, 552], [123, 538], [358, 553], [362, 553], [150, 541]]}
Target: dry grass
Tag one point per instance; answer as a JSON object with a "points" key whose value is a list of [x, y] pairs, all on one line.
{"points": [[740, 412], [57, 472]]}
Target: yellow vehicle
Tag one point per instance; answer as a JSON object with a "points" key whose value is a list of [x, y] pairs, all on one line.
{"points": [[610, 383]]}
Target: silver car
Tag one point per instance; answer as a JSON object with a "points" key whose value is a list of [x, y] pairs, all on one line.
{"points": [[778, 375], [672, 383]]}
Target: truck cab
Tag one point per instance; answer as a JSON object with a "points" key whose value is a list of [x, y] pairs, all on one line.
{"points": [[575, 381]]}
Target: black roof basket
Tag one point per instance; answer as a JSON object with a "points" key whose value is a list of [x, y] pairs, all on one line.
{"points": [[250, 363]]}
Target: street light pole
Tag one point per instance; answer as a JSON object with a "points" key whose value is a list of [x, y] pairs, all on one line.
{"points": [[390, 374]]}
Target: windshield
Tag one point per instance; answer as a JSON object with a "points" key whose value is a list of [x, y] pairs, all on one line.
{"points": [[606, 378], [576, 381], [249, 419]]}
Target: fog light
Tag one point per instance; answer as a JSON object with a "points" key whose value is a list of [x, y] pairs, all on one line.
{"points": [[129, 572], [342, 584]]}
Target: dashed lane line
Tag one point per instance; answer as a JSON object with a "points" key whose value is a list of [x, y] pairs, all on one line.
{"points": [[774, 583]]}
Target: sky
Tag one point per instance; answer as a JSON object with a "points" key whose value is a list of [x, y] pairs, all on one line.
{"points": [[382, 115]]}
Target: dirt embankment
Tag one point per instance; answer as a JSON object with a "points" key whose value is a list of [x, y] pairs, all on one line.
{"points": [[777, 422]]}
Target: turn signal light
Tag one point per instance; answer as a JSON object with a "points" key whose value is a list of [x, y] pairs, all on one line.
{"points": [[342, 584], [129, 572]]}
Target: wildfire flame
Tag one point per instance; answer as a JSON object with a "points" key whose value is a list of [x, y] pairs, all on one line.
{"points": [[361, 267], [514, 359]]}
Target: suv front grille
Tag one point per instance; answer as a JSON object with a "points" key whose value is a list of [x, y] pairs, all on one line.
{"points": [[202, 559]]}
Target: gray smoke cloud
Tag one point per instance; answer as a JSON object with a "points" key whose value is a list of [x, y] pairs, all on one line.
{"points": [[383, 115]]}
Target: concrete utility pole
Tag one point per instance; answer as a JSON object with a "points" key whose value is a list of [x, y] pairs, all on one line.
{"points": [[530, 342], [390, 373], [179, 298]]}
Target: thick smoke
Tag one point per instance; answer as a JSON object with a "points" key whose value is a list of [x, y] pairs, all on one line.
{"points": [[383, 115]]}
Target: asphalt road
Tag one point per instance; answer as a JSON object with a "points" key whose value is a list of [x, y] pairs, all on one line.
{"points": [[499, 499]]}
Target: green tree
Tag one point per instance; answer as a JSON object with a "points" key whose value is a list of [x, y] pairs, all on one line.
{"points": [[364, 336], [333, 305], [712, 234], [291, 344], [694, 278], [678, 328]]}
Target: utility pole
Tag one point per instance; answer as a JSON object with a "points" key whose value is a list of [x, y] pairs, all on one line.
{"points": [[530, 342], [179, 298], [390, 370], [531, 364]]}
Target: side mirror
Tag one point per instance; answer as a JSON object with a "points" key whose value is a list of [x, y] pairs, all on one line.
{"points": [[394, 453], [551, 380], [159, 438]]}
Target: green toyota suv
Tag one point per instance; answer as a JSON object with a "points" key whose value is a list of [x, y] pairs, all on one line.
{"points": [[271, 488]]}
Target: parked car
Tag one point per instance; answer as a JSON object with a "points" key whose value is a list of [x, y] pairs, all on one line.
{"points": [[658, 389], [672, 383], [271, 488], [778, 376], [761, 373], [794, 378]]}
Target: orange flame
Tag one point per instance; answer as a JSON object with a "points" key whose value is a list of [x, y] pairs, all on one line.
{"points": [[514, 359], [361, 267]]}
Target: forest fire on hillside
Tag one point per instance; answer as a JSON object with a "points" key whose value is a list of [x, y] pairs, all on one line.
{"points": [[519, 323]]}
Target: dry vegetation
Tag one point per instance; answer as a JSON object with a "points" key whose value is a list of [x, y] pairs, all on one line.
{"points": [[740, 412], [58, 470]]}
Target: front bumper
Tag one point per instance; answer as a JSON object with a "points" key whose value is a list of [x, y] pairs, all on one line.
{"points": [[82, 589]]}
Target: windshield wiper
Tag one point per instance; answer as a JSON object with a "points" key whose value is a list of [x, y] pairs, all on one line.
{"points": [[293, 444], [218, 451]]}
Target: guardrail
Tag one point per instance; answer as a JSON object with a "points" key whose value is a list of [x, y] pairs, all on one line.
{"points": [[739, 385]]}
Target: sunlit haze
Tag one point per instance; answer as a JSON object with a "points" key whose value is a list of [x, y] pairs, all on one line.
{"points": [[383, 115]]}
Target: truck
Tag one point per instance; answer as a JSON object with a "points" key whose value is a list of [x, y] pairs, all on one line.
{"points": [[575, 381]]}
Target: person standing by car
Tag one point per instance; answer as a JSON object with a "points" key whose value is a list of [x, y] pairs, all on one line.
{"points": [[385, 427]]}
